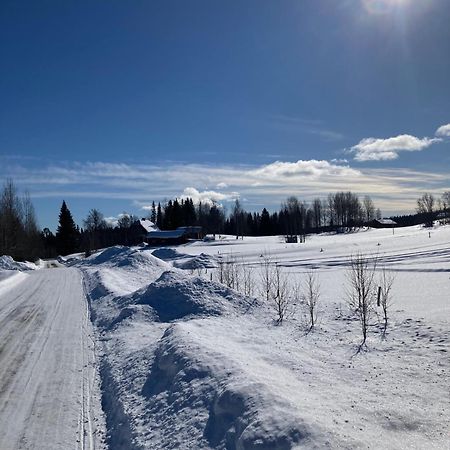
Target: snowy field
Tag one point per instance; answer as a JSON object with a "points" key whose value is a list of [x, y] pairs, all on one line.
{"points": [[187, 363]]}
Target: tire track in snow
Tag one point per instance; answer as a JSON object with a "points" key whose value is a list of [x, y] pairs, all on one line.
{"points": [[47, 366]]}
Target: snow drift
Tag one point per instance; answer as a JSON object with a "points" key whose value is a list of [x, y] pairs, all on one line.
{"points": [[185, 261], [176, 295], [8, 263], [220, 404]]}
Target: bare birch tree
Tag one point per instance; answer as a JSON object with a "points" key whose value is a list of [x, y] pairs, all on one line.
{"points": [[280, 297], [360, 290], [246, 271], [311, 296], [386, 282], [266, 277]]}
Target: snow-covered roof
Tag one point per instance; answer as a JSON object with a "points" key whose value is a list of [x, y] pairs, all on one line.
{"points": [[386, 221], [148, 225], [173, 234], [170, 234]]}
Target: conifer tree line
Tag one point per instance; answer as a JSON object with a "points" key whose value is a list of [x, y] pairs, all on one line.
{"points": [[21, 238]]}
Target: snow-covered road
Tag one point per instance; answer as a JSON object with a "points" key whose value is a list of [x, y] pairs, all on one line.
{"points": [[49, 396]]}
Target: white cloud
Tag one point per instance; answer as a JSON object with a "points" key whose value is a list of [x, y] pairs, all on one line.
{"points": [[372, 149], [443, 131], [221, 185], [208, 197], [301, 169], [112, 221], [339, 161]]}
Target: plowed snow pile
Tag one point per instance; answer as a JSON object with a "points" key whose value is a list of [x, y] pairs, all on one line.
{"points": [[7, 263], [13, 272], [184, 261], [188, 363]]}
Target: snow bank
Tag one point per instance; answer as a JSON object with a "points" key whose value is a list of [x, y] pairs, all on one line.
{"points": [[121, 270], [202, 261], [168, 254], [10, 279], [185, 261], [114, 273], [199, 398], [8, 263], [175, 295]]}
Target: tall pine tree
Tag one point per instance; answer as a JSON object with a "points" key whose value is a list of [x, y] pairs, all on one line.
{"points": [[66, 234], [153, 213], [159, 217]]}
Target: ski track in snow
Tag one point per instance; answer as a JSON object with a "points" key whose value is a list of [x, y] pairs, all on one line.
{"points": [[48, 394]]}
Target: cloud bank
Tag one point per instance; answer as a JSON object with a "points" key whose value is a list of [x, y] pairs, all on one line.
{"points": [[265, 185]]}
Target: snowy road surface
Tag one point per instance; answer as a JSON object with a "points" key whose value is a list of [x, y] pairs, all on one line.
{"points": [[48, 388]]}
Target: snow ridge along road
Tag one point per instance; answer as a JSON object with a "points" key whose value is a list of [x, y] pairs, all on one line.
{"points": [[49, 395]]}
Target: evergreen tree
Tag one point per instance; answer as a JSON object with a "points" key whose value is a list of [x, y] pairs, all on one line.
{"points": [[216, 220], [153, 214], [159, 217], [66, 234], [176, 218], [265, 228], [167, 218]]}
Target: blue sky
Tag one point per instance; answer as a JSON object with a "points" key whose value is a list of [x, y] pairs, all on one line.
{"points": [[113, 104]]}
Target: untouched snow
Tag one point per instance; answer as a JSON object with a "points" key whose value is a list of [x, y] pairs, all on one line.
{"points": [[187, 363], [49, 395]]}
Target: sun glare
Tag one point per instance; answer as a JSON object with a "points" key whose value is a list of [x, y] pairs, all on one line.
{"points": [[383, 6]]}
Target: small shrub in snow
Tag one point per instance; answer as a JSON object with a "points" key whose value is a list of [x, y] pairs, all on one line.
{"points": [[246, 272], [280, 297], [360, 290], [386, 282], [236, 275], [311, 296], [267, 277], [228, 273]]}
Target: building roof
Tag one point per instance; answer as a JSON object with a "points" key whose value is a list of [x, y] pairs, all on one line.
{"points": [[173, 234], [386, 221], [148, 225], [191, 229], [169, 234]]}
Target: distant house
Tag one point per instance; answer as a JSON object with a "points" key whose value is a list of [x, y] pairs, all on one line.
{"points": [[173, 237], [383, 223], [148, 226], [443, 217], [141, 228]]}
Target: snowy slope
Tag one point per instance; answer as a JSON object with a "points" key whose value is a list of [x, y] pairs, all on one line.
{"points": [[188, 363]]}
